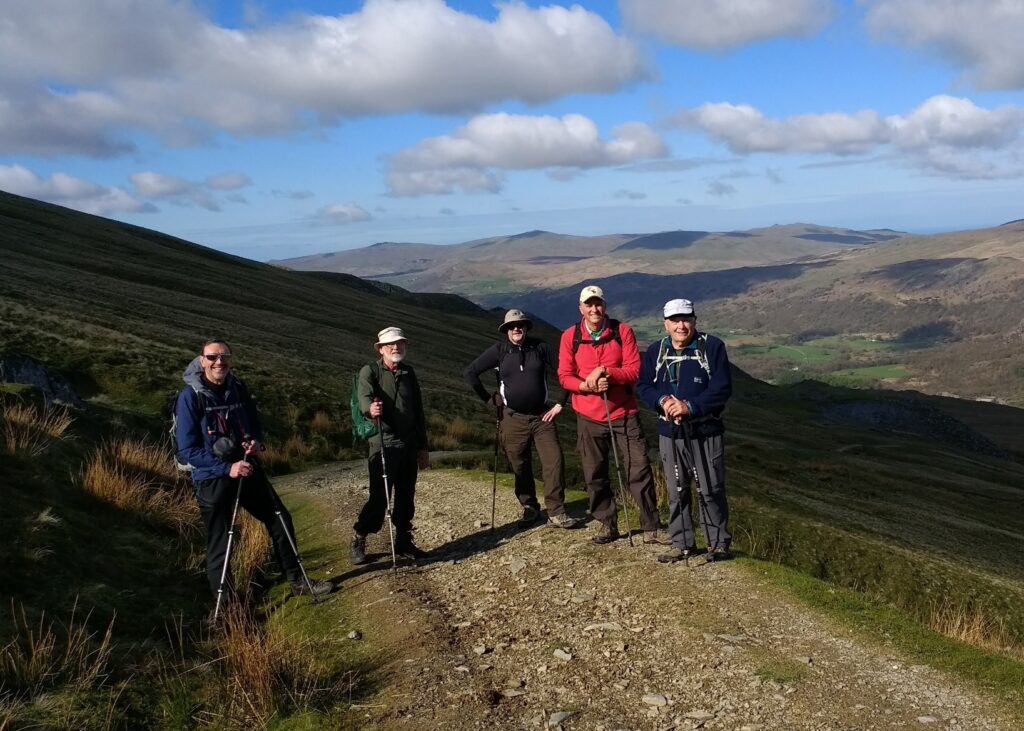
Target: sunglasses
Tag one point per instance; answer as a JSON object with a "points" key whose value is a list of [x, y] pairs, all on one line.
{"points": [[214, 357], [516, 327]]}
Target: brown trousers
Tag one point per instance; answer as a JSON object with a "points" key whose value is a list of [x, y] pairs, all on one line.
{"points": [[595, 444], [518, 432]]}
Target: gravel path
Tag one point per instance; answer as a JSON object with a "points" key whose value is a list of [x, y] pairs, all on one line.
{"points": [[539, 628]]}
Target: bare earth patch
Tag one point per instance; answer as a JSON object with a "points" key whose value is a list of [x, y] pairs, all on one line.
{"points": [[539, 628]]}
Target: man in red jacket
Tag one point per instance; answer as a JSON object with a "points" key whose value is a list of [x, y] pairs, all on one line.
{"points": [[598, 359]]}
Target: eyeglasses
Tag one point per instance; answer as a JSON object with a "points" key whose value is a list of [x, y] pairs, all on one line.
{"points": [[214, 357]]}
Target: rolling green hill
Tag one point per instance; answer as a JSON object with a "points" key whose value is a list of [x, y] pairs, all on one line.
{"points": [[913, 500]]}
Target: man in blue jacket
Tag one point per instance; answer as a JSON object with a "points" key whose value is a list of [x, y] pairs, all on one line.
{"points": [[213, 406], [685, 377]]}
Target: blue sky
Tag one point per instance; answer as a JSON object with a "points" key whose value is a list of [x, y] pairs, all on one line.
{"points": [[278, 129]]}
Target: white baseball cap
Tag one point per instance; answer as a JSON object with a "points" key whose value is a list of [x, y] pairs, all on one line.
{"points": [[590, 292], [678, 307]]}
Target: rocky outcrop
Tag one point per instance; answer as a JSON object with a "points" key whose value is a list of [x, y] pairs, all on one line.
{"points": [[28, 371]]}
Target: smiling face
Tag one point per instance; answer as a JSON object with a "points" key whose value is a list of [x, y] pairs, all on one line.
{"points": [[593, 313], [681, 328], [216, 362], [516, 333]]}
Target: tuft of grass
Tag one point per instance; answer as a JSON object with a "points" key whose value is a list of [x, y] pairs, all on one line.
{"points": [[28, 431], [137, 477], [41, 659], [781, 670], [963, 621], [321, 423]]}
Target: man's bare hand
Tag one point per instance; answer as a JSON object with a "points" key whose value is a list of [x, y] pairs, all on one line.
{"points": [[241, 468], [551, 413], [592, 379], [376, 408]]}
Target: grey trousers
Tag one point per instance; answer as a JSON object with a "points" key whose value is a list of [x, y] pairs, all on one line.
{"points": [[700, 459]]}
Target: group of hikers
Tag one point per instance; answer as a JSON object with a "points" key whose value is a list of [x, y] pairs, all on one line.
{"points": [[684, 376]]}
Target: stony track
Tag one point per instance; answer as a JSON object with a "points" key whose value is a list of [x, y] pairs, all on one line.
{"points": [[539, 628]]}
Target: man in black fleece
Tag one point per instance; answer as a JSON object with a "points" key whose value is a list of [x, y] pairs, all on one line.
{"points": [[526, 416]]}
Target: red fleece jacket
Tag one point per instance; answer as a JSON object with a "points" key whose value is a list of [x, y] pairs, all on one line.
{"points": [[622, 362]]}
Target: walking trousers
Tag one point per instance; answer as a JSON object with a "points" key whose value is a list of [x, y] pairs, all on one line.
{"points": [[216, 498], [595, 444], [518, 433], [699, 459], [402, 471]]}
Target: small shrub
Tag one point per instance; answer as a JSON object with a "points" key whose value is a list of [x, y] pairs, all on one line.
{"points": [[296, 448]]}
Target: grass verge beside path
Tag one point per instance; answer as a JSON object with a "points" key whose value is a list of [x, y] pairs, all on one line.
{"points": [[997, 675]]}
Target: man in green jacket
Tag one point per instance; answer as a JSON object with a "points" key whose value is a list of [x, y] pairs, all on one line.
{"points": [[390, 395]]}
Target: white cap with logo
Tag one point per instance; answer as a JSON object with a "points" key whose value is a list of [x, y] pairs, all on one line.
{"points": [[678, 307], [590, 292]]}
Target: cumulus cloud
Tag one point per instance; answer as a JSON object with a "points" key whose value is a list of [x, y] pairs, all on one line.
{"points": [[725, 24], [133, 70], [343, 213], [944, 135], [67, 190], [982, 36], [468, 157], [175, 190]]}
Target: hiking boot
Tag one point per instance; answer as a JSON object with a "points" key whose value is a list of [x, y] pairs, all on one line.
{"points": [[357, 550], [606, 534], [530, 516], [719, 553], [407, 549], [676, 554], [318, 587], [562, 520], [658, 536]]}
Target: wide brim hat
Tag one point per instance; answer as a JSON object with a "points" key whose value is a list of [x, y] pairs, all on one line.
{"points": [[390, 335], [515, 316]]}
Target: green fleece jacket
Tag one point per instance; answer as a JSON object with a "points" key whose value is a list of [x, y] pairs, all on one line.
{"points": [[402, 421]]}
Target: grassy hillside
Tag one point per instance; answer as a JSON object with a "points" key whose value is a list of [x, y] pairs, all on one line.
{"points": [[912, 500]]}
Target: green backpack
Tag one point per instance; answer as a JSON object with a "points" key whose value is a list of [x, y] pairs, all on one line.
{"points": [[362, 426]]}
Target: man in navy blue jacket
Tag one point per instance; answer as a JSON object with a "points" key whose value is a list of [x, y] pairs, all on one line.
{"points": [[214, 405], [685, 377]]}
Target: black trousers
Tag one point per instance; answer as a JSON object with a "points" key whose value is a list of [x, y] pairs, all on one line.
{"points": [[518, 433], [402, 471], [216, 499]]}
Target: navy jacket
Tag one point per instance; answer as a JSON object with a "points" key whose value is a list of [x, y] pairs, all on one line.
{"points": [[204, 413], [705, 386]]}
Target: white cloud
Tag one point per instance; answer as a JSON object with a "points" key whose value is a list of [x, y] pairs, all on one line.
{"points": [[228, 181], [158, 185], [343, 213], [725, 24], [631, 195], [944, 135], [982, 36], [502, 141], [167, 68], [67, 190]]}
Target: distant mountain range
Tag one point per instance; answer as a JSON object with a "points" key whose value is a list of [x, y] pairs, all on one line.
{"points": [[951, 301]]}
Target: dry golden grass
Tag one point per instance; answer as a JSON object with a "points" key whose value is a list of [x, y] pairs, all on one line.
{"points": [[296, 448], [251, 552], [266, 671], [321, 423], [966, 623], [28, 431], [39, 659], [137, 476]]}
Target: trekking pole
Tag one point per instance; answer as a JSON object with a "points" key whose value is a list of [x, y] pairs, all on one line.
{"points": [[291, 542], [494, 484], [705, 517], [388, 492], [676, 457], [618, 468], [231, 539]]}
